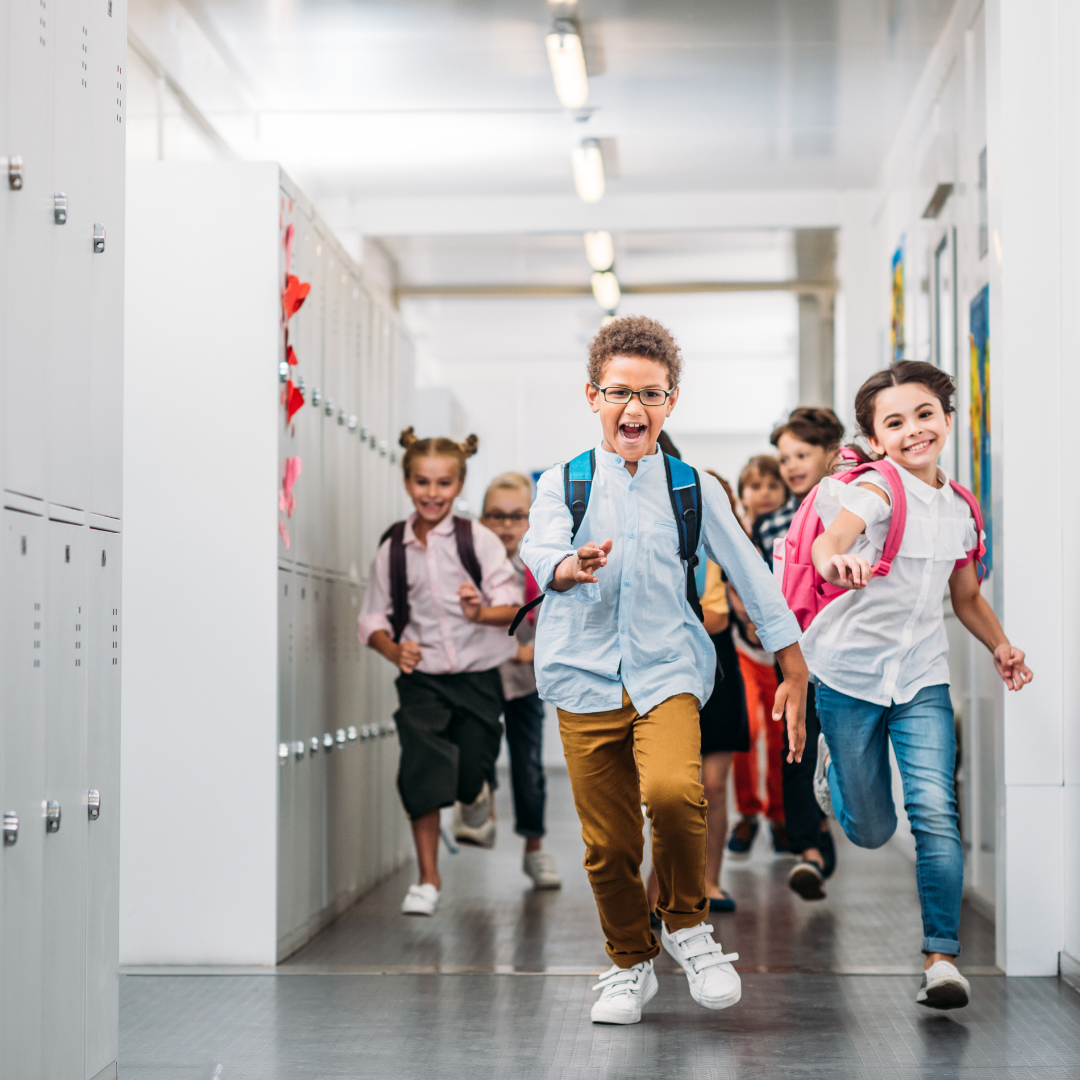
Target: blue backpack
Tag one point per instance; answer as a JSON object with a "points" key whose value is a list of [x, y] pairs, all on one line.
{"points": [[684, 487]]}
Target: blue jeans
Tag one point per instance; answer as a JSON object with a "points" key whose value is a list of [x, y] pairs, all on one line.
{"points": [[860, 781], [524, 718]]}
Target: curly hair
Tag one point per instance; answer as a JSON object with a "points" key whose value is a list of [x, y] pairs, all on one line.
{"points": [[635, 335], [437, 447], [816, 426]]}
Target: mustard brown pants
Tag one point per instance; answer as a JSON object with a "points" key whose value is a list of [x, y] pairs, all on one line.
{"points": [[601, 750]]}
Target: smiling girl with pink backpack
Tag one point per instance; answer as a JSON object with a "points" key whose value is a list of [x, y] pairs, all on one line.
{"points": [[865, 566]]}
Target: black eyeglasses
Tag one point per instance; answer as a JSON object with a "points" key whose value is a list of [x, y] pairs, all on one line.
{"points": [[517, 517], [621, 395]]}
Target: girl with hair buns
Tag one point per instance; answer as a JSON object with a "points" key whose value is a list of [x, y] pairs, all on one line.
{"points": [[440, 593]]}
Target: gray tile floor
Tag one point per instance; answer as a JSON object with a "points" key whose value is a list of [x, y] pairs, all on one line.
{"points": [[806, 1011]]}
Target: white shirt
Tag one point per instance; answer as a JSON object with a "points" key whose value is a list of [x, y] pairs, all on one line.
{"points": [[634, 626], [449, 643], [886, 642]]}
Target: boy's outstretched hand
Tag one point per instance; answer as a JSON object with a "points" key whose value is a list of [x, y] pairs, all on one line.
{"points": [[580, 568]]}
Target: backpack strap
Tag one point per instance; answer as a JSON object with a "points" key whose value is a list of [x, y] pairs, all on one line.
{"points": [[399, 582], [684, 486], [897, 500], [979, 550], [577, 484], [466, 549]]}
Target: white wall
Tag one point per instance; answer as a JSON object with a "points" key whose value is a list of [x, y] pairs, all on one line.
{"points": [[201, 386]]}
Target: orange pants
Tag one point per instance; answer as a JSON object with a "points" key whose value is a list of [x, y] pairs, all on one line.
{"points": [[760, 683]]}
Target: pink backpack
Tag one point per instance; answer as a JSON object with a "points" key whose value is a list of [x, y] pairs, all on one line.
{"points": [[805, 590]]}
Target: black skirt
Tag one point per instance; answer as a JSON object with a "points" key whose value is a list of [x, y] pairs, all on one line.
{"points": [[725, 724]]}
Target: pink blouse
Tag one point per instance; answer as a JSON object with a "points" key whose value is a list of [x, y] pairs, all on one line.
{"points": [[449, 643]]}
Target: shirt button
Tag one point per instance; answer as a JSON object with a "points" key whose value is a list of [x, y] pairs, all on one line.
{"points": [[631, 536], [626, 584], [622, 631]]}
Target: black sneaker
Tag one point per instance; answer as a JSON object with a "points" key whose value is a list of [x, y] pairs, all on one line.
{"points": [[806, 879], [742, 838], [779, 838]]}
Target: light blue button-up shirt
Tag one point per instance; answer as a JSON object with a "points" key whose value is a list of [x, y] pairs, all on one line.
{"points": [[635, 627]]}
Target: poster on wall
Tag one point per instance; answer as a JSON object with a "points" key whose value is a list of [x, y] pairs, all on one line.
{"points": [[980, 411], [898, 302]]}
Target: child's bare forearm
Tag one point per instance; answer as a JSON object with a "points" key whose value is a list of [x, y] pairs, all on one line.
{"points": [[503, 615], [979, 619], [384, 644], [792, 664], [563, 578]]}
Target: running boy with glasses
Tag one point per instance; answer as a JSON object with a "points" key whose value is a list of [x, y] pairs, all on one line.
{"points": [[623, 654]]}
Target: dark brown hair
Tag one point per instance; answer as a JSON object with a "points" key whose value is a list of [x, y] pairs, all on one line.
{"points": [[901, 373], [421, 448], [727, 490], [763, 464], [816, 426], [634, 335]]}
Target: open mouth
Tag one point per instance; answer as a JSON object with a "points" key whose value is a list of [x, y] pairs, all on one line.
{"points": [[919, 447], [632, 432]]}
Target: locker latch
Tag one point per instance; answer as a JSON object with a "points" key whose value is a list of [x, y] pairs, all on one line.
{"points": [[52, 816], [384, 448], [59, 208], [99, 238], [298, 750], [314, 745], [363, 434], [316, 396], [341, 418], [341, 736], [329, 406], [328, 742], [11, 827], [352, 423], [15, 172], [352, 733], [283, 753], [283, 370], [93, 804]]}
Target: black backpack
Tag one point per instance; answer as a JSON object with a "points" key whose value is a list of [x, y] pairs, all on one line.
{"points": [[399, 582]]}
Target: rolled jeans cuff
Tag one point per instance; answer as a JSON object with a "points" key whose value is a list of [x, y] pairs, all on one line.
{"points": [[948, 946]]}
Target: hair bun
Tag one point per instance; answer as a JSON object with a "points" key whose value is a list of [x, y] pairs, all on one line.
{"points": [[469, 446], [407, 438]]}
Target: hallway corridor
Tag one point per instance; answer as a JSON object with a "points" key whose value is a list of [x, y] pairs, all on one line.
{"points": [[498, 985]]}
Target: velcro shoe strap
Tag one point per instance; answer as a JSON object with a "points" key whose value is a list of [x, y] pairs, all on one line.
{"points": [[716, 959], [614, 978]]}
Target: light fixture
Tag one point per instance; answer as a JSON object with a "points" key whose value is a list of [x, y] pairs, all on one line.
{"points": [[605, 289], [567, 59], [599, 250], [589, 171]]}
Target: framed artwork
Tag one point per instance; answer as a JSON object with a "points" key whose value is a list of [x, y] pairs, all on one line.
{"points": [[897, 334], [981, 473]]}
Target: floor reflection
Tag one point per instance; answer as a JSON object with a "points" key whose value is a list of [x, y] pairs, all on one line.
{"points": [[490, 917]]}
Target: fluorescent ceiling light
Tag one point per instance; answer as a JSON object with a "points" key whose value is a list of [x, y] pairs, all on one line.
{"points": [[599, 250], [605, 288], [589, 171], [567, 60]]}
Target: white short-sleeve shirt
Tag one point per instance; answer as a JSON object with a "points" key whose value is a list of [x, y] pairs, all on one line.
{"points": [[886, 642]]}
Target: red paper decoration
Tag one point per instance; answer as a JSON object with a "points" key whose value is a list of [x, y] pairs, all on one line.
{"points": [[294, 295], [294, 400], [290, 355]]}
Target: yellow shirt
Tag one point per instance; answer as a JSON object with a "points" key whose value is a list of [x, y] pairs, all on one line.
{"points": [[715, 598]]}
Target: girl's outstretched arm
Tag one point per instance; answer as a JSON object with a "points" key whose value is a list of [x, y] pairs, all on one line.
{"points": [[978, 616], [830, 553]]}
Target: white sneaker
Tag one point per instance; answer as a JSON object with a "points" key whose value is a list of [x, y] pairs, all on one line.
{"points": [[821, 777], [479, 810], [540, 866], [420, 900], [473, 823], [943, 987], [714, 983], [624, 992]]}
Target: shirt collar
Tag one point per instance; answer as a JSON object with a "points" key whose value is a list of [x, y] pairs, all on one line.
{"points": [[606, 457], [444, 528], [920, 489]]}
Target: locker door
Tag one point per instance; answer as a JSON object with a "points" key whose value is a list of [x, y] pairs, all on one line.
{"points": [[288, 870], [106, 63], [22, 782], [336, 765], [29, 219], [353, 716], [310, 802], [103, 776], [67, 360], [64, 903]]}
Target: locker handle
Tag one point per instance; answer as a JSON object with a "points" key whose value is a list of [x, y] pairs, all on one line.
{"points": [[14, 166], [99, 238], [283, 753], [93, 804], [52, 816], [352, 733], [60, 208], [341, 736], [298, 750], [11, 827], [314, 745], [328, 742]]}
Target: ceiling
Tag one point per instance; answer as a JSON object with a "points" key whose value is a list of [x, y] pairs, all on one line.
{"points": [[424, 99]]}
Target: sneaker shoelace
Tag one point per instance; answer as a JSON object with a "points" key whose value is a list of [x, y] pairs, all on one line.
{"points": [[697, 947], [619, 981]]}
